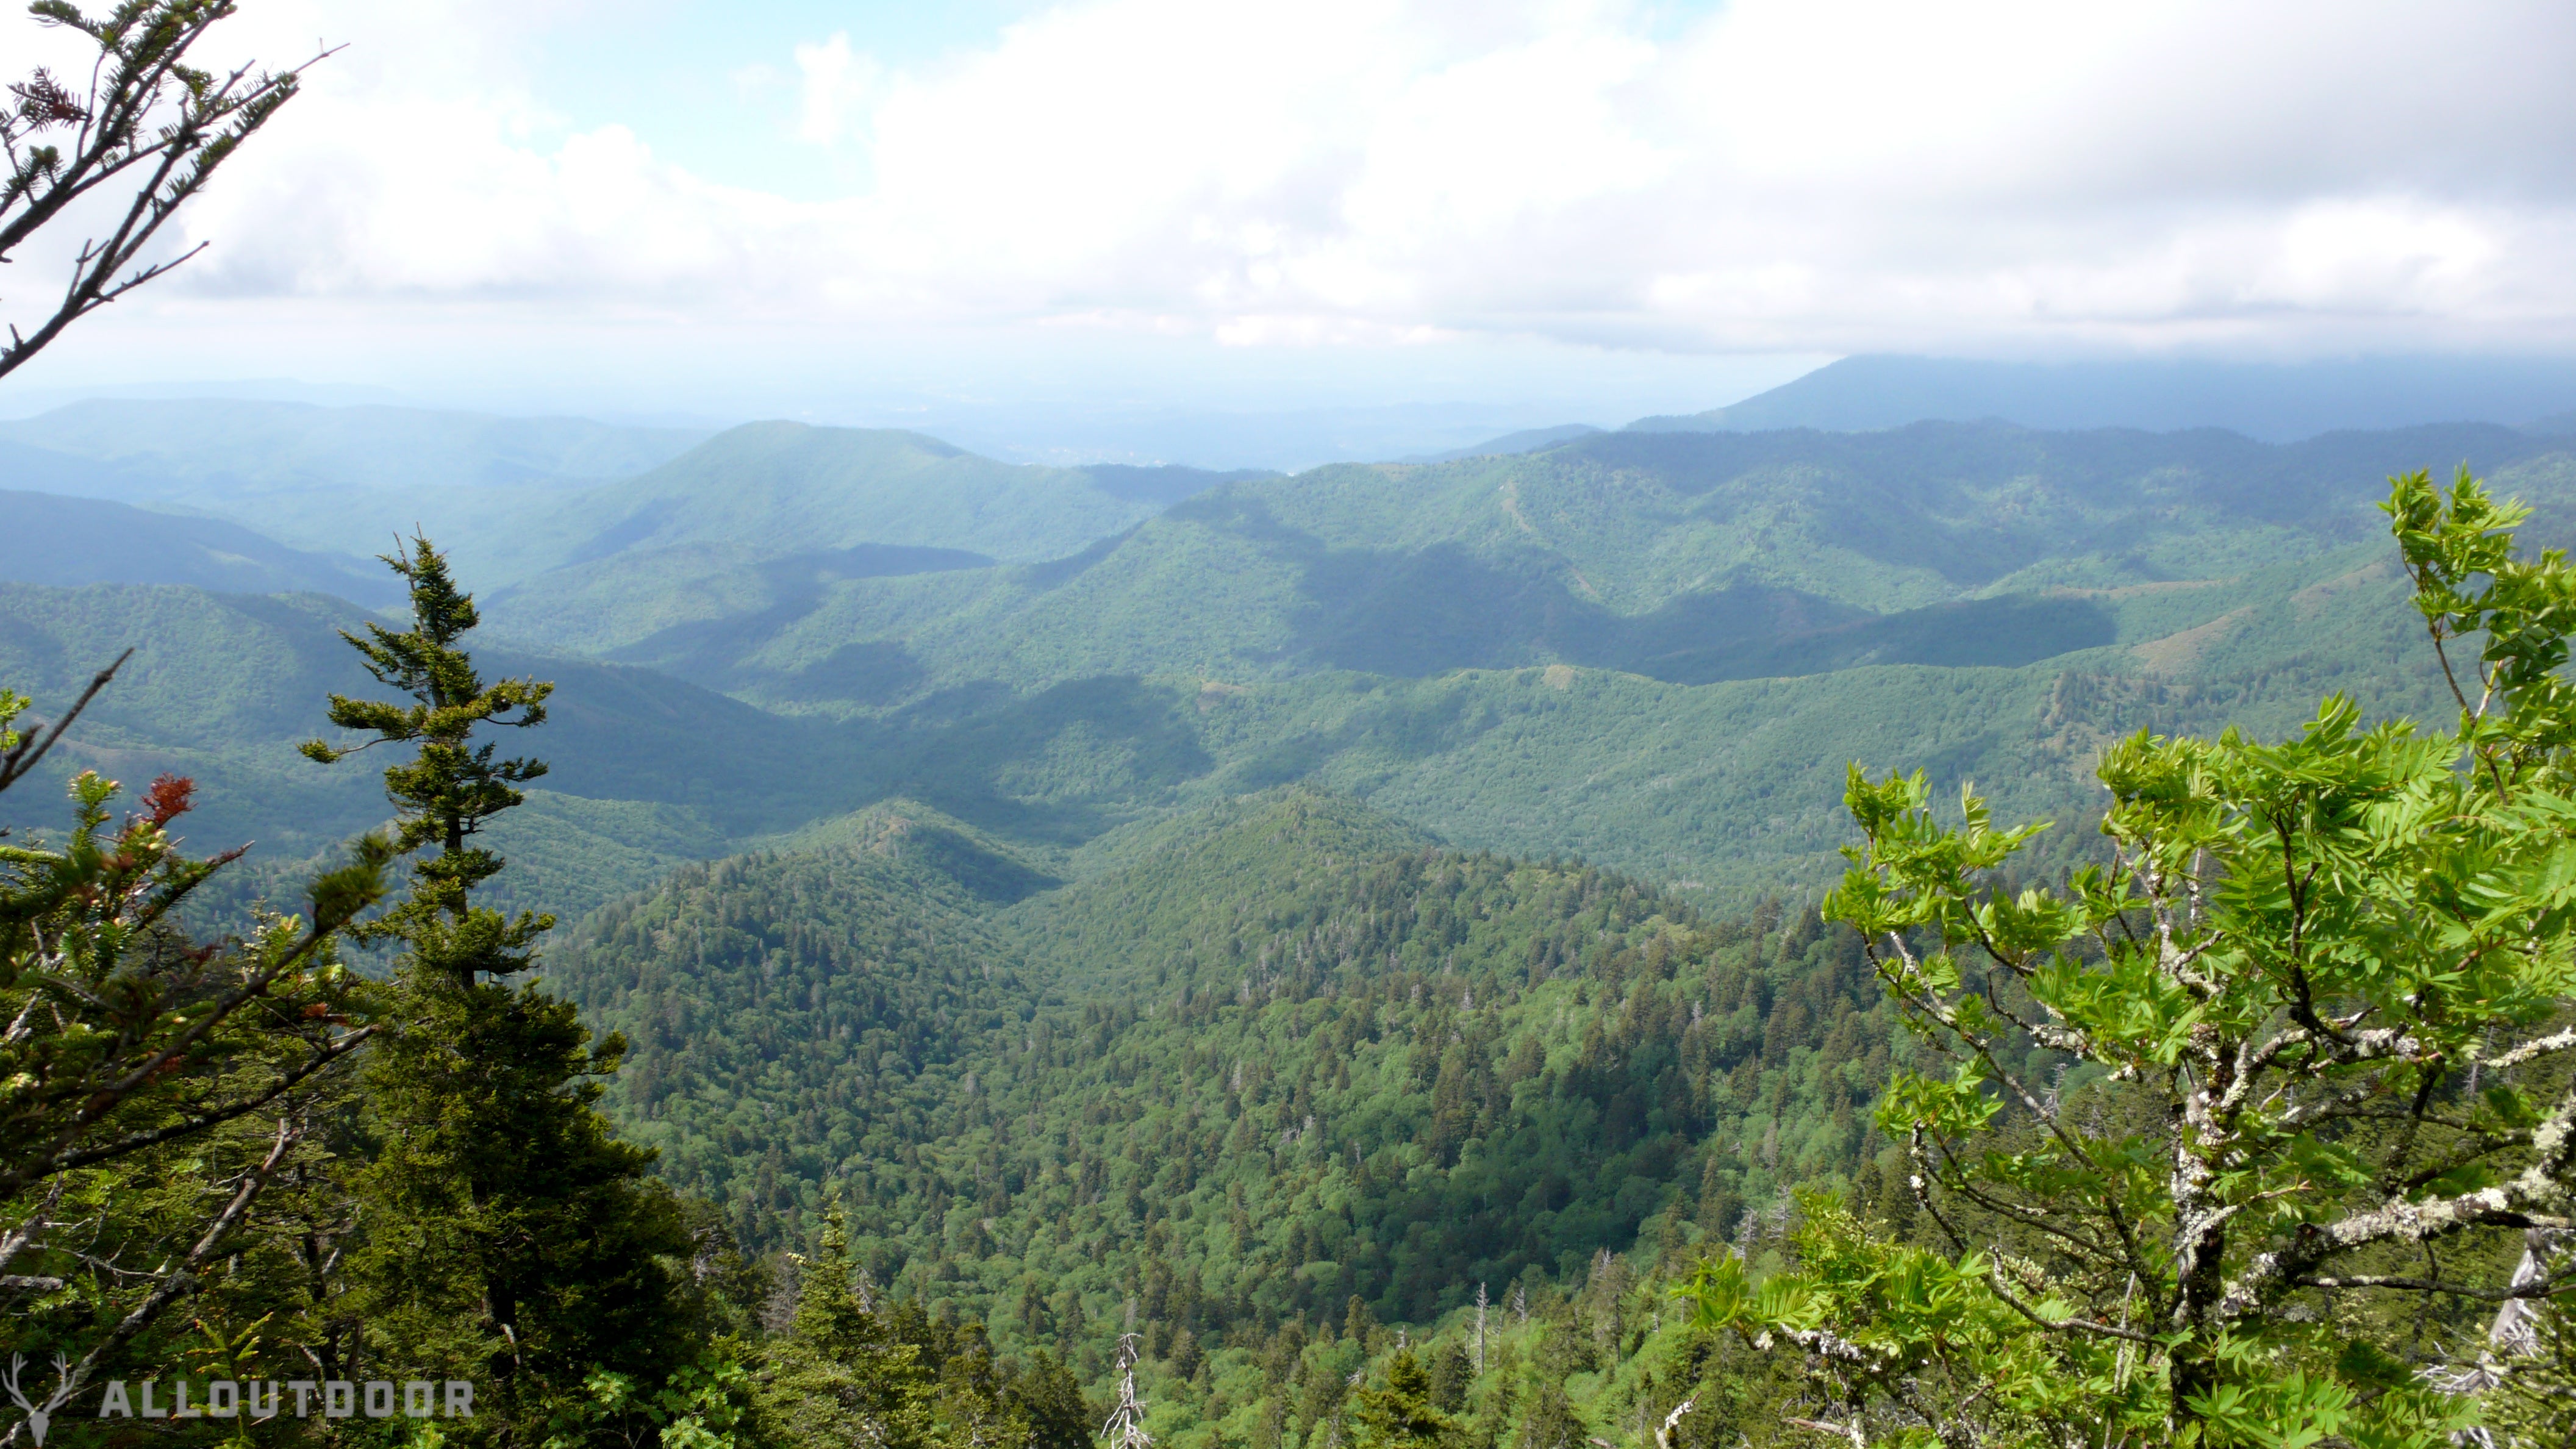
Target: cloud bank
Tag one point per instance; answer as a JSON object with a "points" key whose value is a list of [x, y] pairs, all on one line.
{"points": [[1780, 174]]}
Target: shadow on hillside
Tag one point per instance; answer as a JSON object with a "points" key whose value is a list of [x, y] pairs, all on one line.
{"points": [[2005, 632], [1402, 726], [709, 652], [1418, 613], [1059, 766], [986, 874]]}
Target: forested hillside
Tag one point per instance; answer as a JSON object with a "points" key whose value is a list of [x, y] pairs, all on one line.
{"points": [[54, 539], [1655, 651], [1290, 1055], [219, 689], [1627, 550]]}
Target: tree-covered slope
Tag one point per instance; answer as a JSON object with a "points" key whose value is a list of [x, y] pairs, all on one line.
{"points": [[54, 539], [1731, 785], [1459, 679], [739, 535], [1703, 740], [647, 769], [1287, 1053], [221, 687], [1688, 558], [783, 488]]}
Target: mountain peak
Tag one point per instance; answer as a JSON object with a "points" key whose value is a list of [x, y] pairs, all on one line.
{"points": [[2275, 402]]}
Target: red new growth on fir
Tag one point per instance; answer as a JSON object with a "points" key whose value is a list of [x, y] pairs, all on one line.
{"points": [[171, 796]]}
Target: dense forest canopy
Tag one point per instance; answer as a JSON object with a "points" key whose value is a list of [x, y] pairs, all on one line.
{"points": [[1389, 1074]]}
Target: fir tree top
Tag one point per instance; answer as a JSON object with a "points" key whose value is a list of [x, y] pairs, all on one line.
{"points": [[446, 792]]}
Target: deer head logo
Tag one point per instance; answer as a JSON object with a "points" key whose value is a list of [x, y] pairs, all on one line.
{"points": [[39, 1419]]}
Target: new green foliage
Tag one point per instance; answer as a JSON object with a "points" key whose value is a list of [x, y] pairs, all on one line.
{"points": [[2316, 1015]]}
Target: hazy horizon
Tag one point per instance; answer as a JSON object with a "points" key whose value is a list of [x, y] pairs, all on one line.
{"points": [[1010, 219]]}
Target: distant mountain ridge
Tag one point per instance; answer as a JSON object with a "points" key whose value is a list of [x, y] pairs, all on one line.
{"points": [[156, 445], [1657, 649], [52, 539], [516, 497], [1527, 440], [785, 487], [1689, 558], [2270, 402]]}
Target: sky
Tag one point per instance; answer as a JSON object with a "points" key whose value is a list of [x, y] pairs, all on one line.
{"points": [[1550, 211]]}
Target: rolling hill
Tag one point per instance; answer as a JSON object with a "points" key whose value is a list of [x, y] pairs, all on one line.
{"points": [[786, 487], [341, 480], [627, 509], [741, 534], [53, 539], [1658, 651], [1690, 559], [1360, 1063], [222, 686]]}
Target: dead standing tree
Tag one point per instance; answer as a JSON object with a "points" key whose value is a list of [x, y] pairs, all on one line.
{"points": [[1125, 1428]]}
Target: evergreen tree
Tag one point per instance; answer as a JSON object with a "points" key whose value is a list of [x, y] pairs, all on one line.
{"points": [[839, 1376], [1049, 1401], [1319, 1408], [512, 1240], [445, 795], [1359, 1322], [1451, 1375], [1551, 1422], [1401, 1415]]}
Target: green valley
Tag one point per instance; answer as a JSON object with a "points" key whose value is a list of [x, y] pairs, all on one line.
{"points": [[1282, 1061]]}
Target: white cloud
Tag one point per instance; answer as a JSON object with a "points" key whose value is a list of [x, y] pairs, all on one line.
{"points": [[1832, 174], [836, 86]]}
